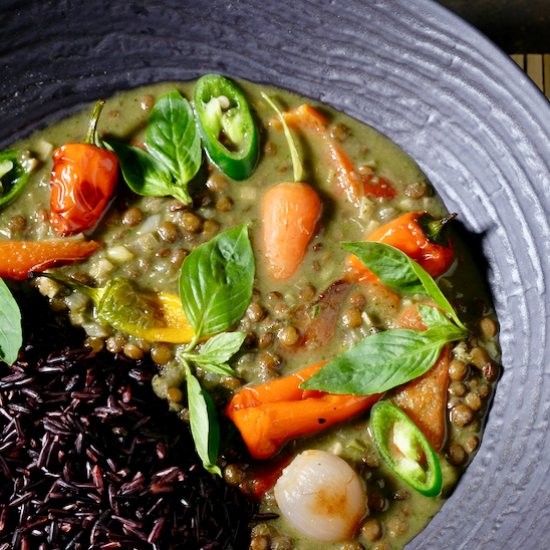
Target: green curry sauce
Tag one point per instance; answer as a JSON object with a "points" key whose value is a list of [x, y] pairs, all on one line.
{"points": [[146, 239]]}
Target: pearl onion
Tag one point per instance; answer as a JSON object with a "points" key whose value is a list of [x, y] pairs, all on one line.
{"points": [[321, 496]]}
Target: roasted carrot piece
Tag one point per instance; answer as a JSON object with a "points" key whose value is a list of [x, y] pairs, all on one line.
{"points": [[307, 117], [424, 399], [289, 213], [270, 414], [353, 184], [409, 317], [19, 258]]}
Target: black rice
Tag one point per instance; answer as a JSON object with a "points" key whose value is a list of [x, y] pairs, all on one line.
{"points": [[91, 458]]}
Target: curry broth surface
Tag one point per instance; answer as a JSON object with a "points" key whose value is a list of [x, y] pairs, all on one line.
{"points": [[152, 259]]}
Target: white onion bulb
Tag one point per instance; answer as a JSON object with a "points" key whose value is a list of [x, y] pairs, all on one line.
{"points": [[321, 496]]}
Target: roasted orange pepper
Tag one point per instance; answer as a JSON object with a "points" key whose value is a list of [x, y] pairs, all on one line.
{"points": [[419, 236], [83, 179], [270, 414], [19, 258]]}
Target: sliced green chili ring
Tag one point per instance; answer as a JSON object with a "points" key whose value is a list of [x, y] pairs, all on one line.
{"points": [[13, 176], [227, 127], [405, 449]]}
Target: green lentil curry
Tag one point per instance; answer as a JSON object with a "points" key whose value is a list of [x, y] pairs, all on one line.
{"points": [[145, 239]]}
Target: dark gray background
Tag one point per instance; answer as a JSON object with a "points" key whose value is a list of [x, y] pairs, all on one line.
{"points": [[517, 26]]}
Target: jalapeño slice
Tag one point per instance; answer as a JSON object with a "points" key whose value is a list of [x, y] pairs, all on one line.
{"points": [[13, 176], [405, 449], [227, 127]]}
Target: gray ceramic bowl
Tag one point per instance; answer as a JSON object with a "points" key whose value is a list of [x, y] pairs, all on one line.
{"points": [[471, 119]]}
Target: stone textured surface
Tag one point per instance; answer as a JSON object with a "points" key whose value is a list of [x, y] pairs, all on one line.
{"points": [[466, 113]]}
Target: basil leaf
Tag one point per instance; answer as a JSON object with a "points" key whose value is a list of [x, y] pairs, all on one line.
{"points": [[11, 336], [221, 369], [395, 269], [389, 264], [432, 316], [13, 176], [172, 137], [215, 353], [222, 347], [435, 292], [144, 174], [204, 423], [216, 281], [383, 361]]}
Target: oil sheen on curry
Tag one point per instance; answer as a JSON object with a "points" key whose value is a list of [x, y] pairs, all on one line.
{"points": [[315, 320]]}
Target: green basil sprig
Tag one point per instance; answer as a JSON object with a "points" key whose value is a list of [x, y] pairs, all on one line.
{"points": [[172, 137], [216, 283], [11, 337], [204, 422], [385, 360], [215, 353], [13, 176], [145, 175], [174, 153], [433, 317], [395, 269]]}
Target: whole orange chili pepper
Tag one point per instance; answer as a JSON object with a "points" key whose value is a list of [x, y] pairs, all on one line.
{"points": [[270, 414], [289, 212], [83, 179], [19, 258], [417, 234]]}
